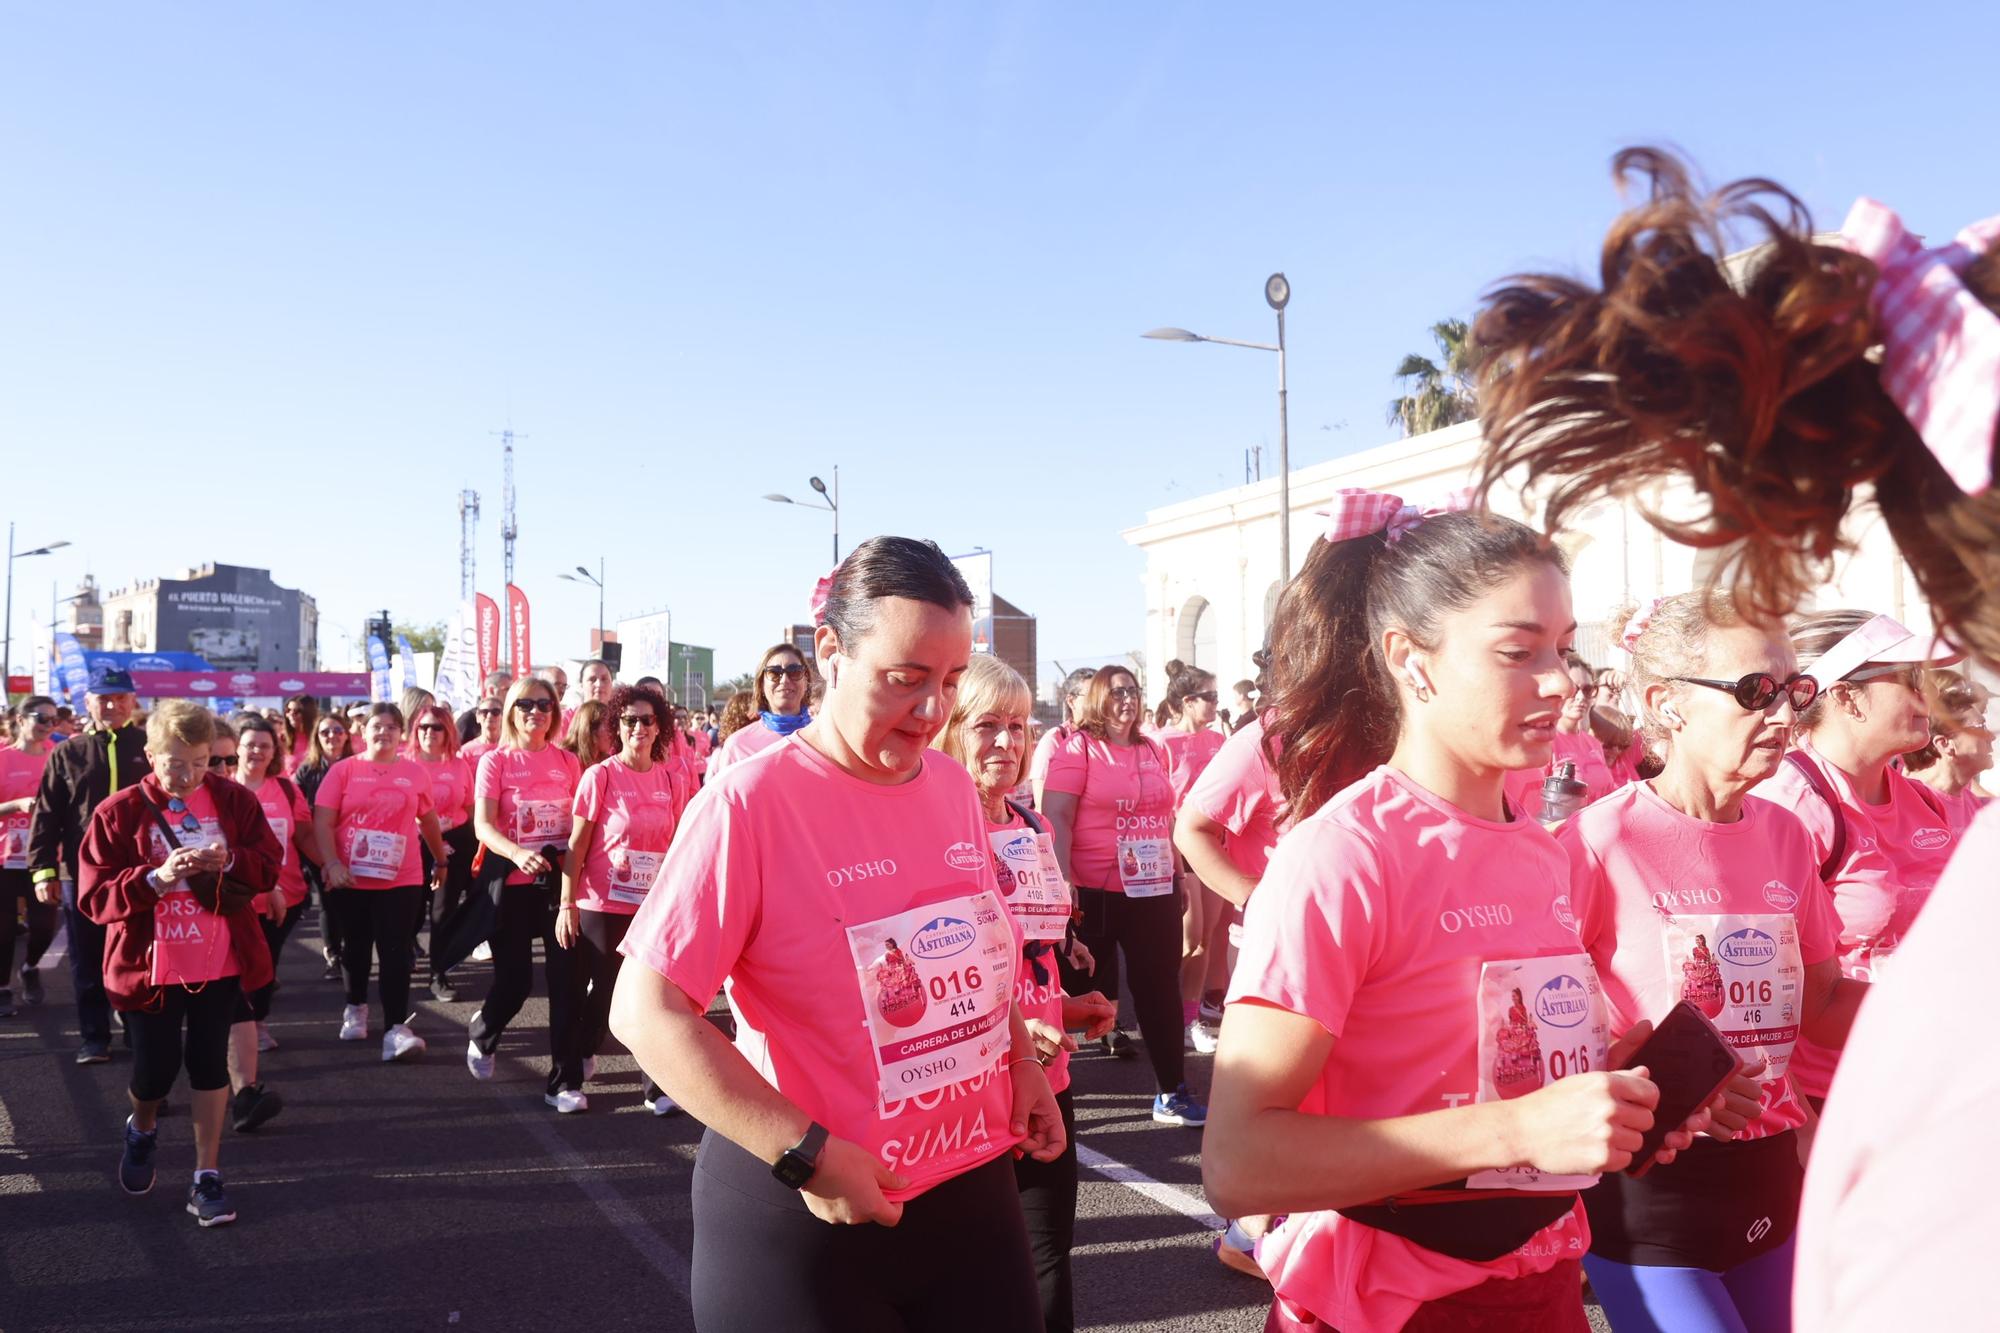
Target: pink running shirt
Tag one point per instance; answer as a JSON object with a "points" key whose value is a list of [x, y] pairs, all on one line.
{"points": [[451, 789], [1036, 998], [1961, 807], [474, 750], [534, 789], [377, 807], [1902, 1201], [20, 775], [1647, 880], [1373, 919], [634, 814], [287, 816], [1125, 805], [1188, 753], [1239, 790], [742, 743], [777, 867], [1895, 853], [1524, 786], [1045, 750]]}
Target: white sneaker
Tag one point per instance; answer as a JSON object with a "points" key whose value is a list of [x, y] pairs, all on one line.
{"points": [[265, 1041], [567, 1102], [1203, 1037], [589, 1068], [662, 1105], [482, 952], [399, 1043], [354, 1023], [480, 1065]]}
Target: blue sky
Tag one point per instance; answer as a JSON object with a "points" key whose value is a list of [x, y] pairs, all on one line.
{"points": [[271, 273]]}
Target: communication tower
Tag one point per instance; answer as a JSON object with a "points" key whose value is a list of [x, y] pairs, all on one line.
{"points": [[468, 524]]}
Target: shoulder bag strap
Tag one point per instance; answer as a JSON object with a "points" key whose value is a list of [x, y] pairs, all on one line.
{"points": [[1817, 780]]}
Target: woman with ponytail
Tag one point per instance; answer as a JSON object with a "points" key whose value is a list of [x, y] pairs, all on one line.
{"points": [[1191, 741]]}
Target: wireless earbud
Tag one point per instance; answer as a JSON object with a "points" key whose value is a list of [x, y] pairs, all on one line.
{"points": [[1413, 671], [1670, 715]]}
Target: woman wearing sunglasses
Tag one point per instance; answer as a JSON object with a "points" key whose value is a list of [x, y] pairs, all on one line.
{"points": [[1880, 838], [21, 765], [624, 816], [783, 688], [486, 719], [521, 807], [1687, 887], [327, 744], [434, 744], [301, 716]]}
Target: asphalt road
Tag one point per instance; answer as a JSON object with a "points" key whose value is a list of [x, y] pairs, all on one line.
{"points": [[412, 1197]]}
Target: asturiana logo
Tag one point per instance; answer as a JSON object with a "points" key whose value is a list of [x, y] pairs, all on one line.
{"points": [[151, 664], [1021, 846], [291, 684], [942, 937], [1748, 947], [1565, 917], [1930, 839], [243, 680], [1781, 895], [1562, 1001], [204, 685], [963, 856]]}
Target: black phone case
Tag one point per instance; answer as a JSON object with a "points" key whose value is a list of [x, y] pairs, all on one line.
{"points": [[1689, 1061]]}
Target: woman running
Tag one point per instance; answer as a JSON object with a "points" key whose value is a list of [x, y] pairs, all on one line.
{"points": [[21, 765], [1379, 1050], [290, 817], [434, 744], [855, 1174], [778, 704]]}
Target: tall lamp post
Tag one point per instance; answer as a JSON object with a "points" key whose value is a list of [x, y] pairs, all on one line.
{"points": [[7, 636], [598, 580], [1277, 294], [832, 504]]}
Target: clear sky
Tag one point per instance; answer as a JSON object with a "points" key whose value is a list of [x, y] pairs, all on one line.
{"points": [[271, 274]]}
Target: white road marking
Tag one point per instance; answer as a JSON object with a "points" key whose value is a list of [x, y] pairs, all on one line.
{"points": [[1167, 1196]]}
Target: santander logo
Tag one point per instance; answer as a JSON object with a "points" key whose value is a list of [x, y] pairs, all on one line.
{"points": [[963, 856], [1930, 839]]}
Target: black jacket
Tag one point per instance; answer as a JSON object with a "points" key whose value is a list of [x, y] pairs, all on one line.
{"points": [[77, 778]]}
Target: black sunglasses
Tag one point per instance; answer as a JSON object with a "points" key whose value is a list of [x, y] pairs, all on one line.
{"points": [[534, 706], [429, 726], [222, 761], [633, 721], [1760, 689], [795, 669], [1203, 696], [493, 711]]}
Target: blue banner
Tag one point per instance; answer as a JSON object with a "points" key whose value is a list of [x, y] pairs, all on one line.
{"points": [[136, 663], [378, 665], [72, 670], [409, 656]]}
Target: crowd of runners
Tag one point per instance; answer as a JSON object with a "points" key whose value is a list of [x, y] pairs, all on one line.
{"points": [[1519, 971]]}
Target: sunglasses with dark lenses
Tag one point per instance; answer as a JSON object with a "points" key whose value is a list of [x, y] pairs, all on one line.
{"points": [[1760, 689], [1203, 696], [1123, 691], [493, 711], [189, 824], [222, 761], [634, 721], [534, 706], [42, 719], [794, 669], [423, 727]]}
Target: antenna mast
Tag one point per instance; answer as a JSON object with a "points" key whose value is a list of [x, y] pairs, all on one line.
{"points": [[509, 529], [468, 524]]}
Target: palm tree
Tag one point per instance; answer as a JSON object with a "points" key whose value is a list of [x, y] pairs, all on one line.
{"points": [[1434, 395]]}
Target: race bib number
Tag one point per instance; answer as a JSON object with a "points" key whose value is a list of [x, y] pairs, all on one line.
{"points": [[283, 828], [14, 843], [1745, 973], [376, 853], [632, 875], [1031, 882], [540, 821], [937, 984], [209, 834], [190, 943], [1540, 1019], [1146, 867]]}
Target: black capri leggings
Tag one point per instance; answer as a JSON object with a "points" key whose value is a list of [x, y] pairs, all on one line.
{"points": [[158, 1050], [957, 1263], [1149, 932], [255, 1005], [17, 889]]}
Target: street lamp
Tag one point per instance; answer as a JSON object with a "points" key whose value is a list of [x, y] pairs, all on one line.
{"points": [[832, 504], [1277, 294], [598, 579], [7, 636]]}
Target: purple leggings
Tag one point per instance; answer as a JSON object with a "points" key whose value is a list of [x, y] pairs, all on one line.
{"points": [[1753, 1297]]}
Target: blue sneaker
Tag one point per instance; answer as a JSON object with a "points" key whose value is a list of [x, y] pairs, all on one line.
{"points": [[1179, 1108], [207, 1202], [135, 1168]]}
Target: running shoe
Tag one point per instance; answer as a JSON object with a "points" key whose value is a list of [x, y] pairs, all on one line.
{"points": [[252, 1106], [662, 1105], [331, 972], [354, 1023], [482, 952], [1179, 1108], [442, 990], [399, 1043], [568, 1101], [94, 1053], [1202, 1037], [31, 986], [1118, 1042], [265, 1041], [480, 1065], [1242, 1259], [206, 1201], [135, 1168]]}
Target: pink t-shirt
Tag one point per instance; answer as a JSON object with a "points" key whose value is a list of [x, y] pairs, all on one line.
{"points": [[680, 768], [780, 876], [1373, 919], [742, 743], [1895, 853], [473, 750], [377, 807], [288, 815], [1045, 750], [1902, 1200], [1524, 786], [635, 815], [190, 943], [1125, 803], [535, 789], [702, 744], [1239, 790], [1037, 999], [1731, 903], [1961, 807], [20, 775], [1188, 753], [451, 788]]}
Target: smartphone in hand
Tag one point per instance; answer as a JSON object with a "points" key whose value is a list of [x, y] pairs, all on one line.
{"points": [[1689, 1060]]}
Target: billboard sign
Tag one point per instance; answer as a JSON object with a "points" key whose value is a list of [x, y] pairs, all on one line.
{"points": [[977, 571], [647, 642]]}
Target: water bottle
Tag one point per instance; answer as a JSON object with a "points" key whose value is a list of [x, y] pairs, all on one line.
{"points": [[1562, 794]]}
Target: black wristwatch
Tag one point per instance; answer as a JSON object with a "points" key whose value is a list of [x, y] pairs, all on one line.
{"points": [[799, 1162]]}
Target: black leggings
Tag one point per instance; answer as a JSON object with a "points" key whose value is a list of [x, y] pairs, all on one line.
{"points": [[378, 921], [1149, 932], [457, 879], [957, 1263], [256, 1004], [158, 1051], [1048, 1204], [16, 887], [593, 975], [527, 913]]}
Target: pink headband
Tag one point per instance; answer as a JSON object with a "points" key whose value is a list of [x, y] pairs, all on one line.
{"points": [[1637, 624], [1940, 344], [1357, 513]]}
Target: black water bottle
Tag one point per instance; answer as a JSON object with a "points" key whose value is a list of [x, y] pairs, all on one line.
{"points": [[1562, 794]]}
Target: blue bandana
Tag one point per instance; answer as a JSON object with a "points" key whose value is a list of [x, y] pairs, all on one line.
{"points": [[786, 723]]}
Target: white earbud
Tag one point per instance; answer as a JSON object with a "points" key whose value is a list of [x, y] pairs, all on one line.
{"points": [[1670, 715], [1413, 671]]}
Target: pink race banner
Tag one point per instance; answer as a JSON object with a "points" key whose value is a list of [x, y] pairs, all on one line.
{"points": [[520, 659], [487, 617], [239, 684]]}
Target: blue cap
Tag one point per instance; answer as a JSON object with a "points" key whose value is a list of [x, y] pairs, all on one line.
{"points": [[113, 682]]}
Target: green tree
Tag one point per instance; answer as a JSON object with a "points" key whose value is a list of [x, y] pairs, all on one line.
{"points": [[1443, 392], [423, 638], [734, 685]]}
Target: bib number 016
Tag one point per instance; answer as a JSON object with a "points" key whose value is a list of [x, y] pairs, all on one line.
{"points": [[957, 987]]}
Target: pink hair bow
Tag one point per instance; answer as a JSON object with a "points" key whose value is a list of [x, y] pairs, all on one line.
{"points": [[1637, 624], [1357, 513], [818, 604], [1940, 344]]}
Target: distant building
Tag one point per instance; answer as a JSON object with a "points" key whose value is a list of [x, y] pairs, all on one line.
{"points": [[692, 675], [86, 615], [234, 616]]}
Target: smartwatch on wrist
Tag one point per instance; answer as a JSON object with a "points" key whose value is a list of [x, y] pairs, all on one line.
{"points": [[797, 1164]]}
